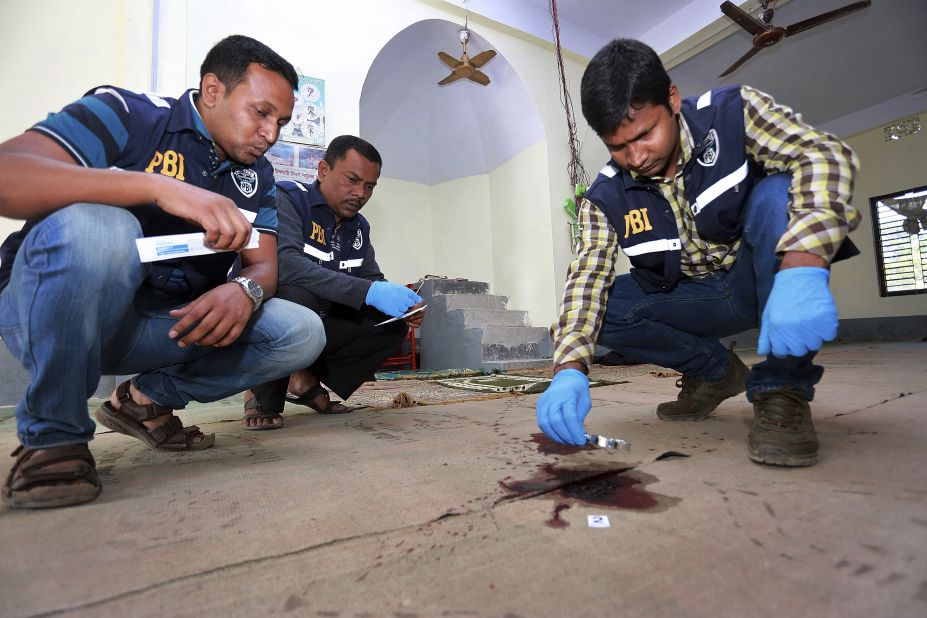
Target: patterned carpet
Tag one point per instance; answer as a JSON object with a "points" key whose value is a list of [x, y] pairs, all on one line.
{"points": [[408, 389]]}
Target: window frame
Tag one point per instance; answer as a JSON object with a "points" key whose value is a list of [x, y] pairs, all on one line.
{"points": [[884, 292]]}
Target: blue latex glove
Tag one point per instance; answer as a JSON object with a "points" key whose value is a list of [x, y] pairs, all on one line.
{"points": [[800, 314], [563, 407], [391, 298]]}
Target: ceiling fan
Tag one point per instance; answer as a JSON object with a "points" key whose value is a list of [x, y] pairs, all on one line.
{"points": [[767, 35], [913, 209], [466, 67]]}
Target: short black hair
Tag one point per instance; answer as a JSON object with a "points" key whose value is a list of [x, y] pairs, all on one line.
{"points": [[339, 147], [230, 58], [623, 74]]}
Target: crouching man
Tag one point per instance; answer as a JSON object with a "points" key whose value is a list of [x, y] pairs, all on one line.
{"points": [[327, 263], [76, 301], [731, 210]]}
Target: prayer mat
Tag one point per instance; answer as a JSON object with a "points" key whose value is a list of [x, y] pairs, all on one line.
{"points": [[426, 374], [508, 383]]}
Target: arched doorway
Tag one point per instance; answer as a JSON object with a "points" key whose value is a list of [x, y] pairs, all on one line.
{"points": [[465, 165]]}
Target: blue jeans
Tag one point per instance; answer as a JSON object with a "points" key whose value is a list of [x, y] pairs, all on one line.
{"points": [[680, 329], [75, 309]]}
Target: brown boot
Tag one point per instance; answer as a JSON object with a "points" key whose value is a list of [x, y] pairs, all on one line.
{"points": [[782, 432], [698, 398]]}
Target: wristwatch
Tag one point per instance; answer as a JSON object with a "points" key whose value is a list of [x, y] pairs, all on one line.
{"points": [[252, 289]]}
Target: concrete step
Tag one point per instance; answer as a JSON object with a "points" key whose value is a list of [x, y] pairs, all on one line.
{"points": [[475, 301], [467, 326], [522, 363], [527, 350], [455, 286], [474, 316], [514, 334], [504, 343]]}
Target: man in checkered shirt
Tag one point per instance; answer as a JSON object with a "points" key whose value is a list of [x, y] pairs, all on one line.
{"points": [[730, 209]]}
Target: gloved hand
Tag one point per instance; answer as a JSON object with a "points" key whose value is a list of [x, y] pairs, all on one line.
{"points": [[391, 298], [800, 314], [563, 407]]}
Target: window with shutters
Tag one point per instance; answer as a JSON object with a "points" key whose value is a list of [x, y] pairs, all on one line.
{"points": [[899, 224]]}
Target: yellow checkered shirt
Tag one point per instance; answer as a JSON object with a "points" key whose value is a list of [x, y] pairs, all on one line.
{"points": [[820, 216]]}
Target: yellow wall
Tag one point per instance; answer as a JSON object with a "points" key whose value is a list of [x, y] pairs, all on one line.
{"points": [[400, 218], [489, 227], [462, 229], [55, 50], [886, 167], [486, 228], [518, 229]]}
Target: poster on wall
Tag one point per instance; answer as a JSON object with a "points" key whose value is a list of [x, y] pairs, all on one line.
{"points": [[308, 123], [295, 161]]}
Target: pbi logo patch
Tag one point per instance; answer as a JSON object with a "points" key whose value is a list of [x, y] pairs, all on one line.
{"points": [[246, 180], [709, 156], [358, 241]]}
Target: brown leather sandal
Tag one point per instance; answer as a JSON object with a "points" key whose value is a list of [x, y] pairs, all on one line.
{"points": [[170, 436], [30, 485]]}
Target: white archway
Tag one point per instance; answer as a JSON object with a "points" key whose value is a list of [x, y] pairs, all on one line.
{"points": [[465, 185], [430, 134]]}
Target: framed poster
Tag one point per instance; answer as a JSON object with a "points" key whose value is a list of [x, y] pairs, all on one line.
{"points": [[308, 123], [295, 161]]}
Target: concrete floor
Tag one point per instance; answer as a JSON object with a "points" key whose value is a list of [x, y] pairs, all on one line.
{"points": [[454, 510]]}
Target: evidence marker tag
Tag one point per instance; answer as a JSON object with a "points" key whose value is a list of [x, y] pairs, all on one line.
{"points": [[598, 521]]}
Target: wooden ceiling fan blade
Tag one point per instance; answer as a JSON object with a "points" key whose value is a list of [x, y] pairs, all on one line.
{"points": [[483, 57], [480, 78], [742, 18], [453, 77], [823, 18], [750, 54], [449, 60]]}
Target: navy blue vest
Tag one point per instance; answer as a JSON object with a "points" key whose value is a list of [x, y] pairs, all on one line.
{"points": [[717, 179], [114, 127], [338, 249]]}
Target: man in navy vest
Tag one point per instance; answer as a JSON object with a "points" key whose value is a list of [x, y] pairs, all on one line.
{"points": [[731, 210], [327, 263], [80, 298]]}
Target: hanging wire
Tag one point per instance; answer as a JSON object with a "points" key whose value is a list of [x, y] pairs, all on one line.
{"points": [[575, 167]]}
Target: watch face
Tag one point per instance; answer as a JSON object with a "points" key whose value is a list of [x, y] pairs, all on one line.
{"points": [[253, 290]]}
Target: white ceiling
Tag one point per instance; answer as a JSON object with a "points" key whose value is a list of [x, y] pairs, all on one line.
{"points": [[846, 76], [587, 25]]}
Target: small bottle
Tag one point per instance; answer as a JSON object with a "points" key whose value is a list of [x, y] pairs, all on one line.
{"points": [[604, 442]]}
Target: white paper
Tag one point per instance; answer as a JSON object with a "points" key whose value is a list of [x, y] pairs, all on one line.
{"points": [[155, 248], [598, 521], [402, 317]]}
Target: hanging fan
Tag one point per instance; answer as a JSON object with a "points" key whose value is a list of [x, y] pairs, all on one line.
{"points": [[767, 35], [466, 67], [913, 209]]}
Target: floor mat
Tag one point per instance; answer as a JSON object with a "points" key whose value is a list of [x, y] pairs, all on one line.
{"points": [[386, 393], [507, 383], [426, 374]]}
